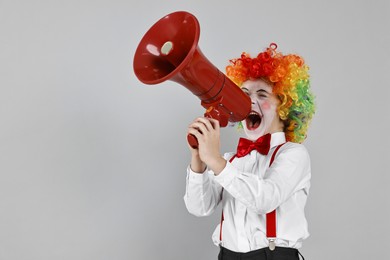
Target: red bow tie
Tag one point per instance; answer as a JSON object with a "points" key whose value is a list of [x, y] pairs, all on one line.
{"points": [[261, 145]]}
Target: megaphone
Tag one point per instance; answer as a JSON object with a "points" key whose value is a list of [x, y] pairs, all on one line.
{"points": [[169, 51]]}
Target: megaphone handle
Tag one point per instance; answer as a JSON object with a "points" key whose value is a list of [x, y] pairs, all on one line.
{"points": [[192, 141], [212, 112]]}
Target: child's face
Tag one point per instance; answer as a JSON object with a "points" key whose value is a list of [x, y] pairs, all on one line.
{"points": [[263, 118]]}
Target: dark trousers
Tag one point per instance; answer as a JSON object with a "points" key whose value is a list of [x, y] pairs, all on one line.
{"points": [[280, 253]]}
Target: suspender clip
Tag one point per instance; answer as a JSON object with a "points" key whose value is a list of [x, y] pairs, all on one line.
{"points": [[271, 244]]}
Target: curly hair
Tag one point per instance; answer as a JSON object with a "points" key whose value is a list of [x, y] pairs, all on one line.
{"points": [[289, 78]]}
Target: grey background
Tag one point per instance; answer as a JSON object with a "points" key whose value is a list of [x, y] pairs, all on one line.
{"points": [[92, 162]]}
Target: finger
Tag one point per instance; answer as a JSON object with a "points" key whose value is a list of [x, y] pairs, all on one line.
{"points": [[206, 122], [195, 132], [215, 123], [200, 127]]}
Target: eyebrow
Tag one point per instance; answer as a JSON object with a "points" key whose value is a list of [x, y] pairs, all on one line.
{"points": [[262, 90]]}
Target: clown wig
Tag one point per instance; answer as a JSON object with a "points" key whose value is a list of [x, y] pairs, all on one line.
{"points": [[289, 78]]}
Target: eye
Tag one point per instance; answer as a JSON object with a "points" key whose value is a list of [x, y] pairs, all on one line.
{"points": [[261, 93]]}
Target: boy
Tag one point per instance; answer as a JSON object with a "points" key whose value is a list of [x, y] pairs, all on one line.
{"points": [[263, 187]]}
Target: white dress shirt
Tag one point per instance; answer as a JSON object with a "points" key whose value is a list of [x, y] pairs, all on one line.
{"points": [[250, 190]]}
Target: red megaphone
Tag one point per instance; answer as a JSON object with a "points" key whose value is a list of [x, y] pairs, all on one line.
{"points": [[169, 51]]}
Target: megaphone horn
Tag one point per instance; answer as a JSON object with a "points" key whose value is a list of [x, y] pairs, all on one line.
{"points": [[169, 51]]}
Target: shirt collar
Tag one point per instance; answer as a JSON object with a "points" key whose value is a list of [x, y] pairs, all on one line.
{"points": [[277, 138]]}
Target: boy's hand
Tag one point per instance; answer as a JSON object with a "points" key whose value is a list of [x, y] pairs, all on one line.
{"points": [[207, 131]]}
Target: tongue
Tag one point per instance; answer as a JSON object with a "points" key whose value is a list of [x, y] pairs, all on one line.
{"points": [[255, 124]]}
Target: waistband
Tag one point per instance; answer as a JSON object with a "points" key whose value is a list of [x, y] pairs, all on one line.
{"points": [[263, 253]]}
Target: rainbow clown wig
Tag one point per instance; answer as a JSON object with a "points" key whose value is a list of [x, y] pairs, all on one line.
{"points": [[289, 78]]}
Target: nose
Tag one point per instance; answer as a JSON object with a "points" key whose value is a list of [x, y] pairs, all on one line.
{"points": [[253, 101]]}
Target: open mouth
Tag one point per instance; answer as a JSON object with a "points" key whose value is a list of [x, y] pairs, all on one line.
{"points": [[253, 120]]}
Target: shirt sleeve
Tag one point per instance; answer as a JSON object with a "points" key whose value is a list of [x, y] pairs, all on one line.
{"points": [[289, 173], [202, 194]]}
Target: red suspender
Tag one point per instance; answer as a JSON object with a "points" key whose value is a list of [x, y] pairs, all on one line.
{"points": [[222, 218], [271, 217]]}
